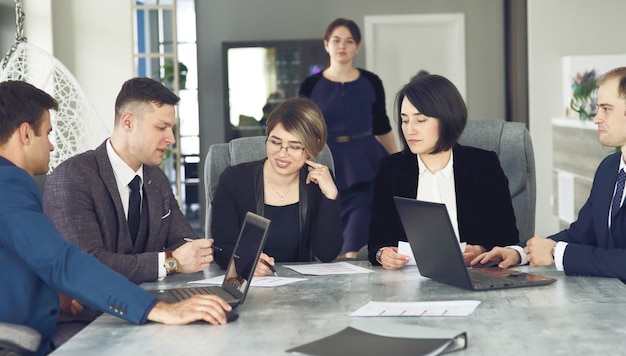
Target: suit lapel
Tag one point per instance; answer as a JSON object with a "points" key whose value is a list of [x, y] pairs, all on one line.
{"points": [[156, 204], [462, 180], [124, 242], [405, 177], [605, 196]]}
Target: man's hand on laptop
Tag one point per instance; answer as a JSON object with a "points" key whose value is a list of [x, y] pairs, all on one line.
{"points": [[209, 308], [471, 252], [507, 256], [391, 259]]}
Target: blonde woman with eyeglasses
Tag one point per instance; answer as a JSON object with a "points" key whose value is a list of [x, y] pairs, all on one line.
{"points": [[288, 187]]}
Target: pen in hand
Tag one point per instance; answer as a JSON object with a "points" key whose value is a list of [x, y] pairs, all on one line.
{"points": [[215, 247], [270, 267]]}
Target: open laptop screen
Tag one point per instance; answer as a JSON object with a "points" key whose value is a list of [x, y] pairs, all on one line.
{"points": [[246, 254]]}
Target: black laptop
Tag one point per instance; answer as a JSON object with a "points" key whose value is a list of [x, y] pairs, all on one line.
{"points": [[438, 256], [240, 269]]}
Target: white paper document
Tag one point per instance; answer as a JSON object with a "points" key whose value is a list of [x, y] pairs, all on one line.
{"points": [[446, 308], [321, 269], [404, 248], [266, 281]]}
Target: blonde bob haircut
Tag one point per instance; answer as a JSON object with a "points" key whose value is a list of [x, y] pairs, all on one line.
{"points": [[302, 118]]}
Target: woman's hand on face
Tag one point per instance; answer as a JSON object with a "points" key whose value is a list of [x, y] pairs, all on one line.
{"points": [[320, 175]]}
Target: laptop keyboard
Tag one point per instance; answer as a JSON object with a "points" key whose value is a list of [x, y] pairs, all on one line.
{"points": [[184, 293]]}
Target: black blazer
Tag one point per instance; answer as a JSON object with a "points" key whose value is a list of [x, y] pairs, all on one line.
{"points": [[240, 189], [484, 210]]}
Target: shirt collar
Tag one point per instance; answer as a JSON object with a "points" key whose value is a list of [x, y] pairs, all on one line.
{"points": [[123, 173], [622, 165], [5, 162], [447, 171]]}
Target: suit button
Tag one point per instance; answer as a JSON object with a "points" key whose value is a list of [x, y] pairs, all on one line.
{"points": [[53, 312]]}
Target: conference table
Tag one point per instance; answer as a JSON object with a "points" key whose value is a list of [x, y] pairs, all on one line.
{"points": [[573, 316]]}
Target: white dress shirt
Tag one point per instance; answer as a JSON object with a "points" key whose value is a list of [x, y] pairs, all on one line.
{"points": [[123, 175], [438, 187]]}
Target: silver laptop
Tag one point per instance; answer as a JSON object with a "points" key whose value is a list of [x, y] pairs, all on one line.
{"points": [[240, 269], [438, 256]]}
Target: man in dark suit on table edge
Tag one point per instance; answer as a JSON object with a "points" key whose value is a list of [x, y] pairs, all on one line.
{"points": [[42, 273], [88, 197], [595, 244]]}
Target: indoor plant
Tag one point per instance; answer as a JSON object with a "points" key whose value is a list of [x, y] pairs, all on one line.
{"points": [[584, 94]]}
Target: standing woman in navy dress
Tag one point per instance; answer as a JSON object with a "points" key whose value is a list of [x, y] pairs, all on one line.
{"points": [[353, 103]]}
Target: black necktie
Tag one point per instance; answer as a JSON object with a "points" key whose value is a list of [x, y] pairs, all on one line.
{"points": [[134, 207], [619, 190]]}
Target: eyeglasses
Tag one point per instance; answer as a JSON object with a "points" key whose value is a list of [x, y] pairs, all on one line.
{"points": [[276, 146]]}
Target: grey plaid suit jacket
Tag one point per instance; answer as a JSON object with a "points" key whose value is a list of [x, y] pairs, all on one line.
{"points": [[82, 200]]}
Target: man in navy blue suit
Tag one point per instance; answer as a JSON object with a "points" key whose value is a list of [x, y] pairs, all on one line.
{"points": [[42, 274], [595, 244]]}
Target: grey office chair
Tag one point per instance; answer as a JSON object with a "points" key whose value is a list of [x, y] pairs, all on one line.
{"points": [[511, 142], [18, 340], [239, 150]]}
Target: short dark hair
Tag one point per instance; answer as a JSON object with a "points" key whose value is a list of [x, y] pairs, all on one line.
{"points": [[302, 118], [143, 90], [619, 74], [22, 102], [349, 24], [435, 96]]}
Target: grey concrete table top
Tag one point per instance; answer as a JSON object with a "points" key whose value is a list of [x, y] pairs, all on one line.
{"points": [[575, 315]]}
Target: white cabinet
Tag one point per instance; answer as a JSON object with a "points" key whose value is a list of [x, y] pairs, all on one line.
{"points": [[576, 155]]}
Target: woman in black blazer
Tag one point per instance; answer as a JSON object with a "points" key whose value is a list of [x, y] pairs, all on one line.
{"points": [[434, 167], [296, 193]]}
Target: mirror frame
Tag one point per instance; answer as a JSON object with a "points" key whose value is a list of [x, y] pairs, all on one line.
{"points": [[311, 53]]}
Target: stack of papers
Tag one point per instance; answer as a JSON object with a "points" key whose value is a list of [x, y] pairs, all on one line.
{"points": [[322, 269], [445, 308], [404, 248], [256, 281]]}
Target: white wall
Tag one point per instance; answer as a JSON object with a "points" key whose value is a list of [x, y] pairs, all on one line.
{"points": [[559, 28], [7, 27], [37, 26], [94, 40]]}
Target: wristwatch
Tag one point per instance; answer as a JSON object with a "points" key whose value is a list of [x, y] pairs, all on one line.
{"points": [[379, 253], [171, 265]]}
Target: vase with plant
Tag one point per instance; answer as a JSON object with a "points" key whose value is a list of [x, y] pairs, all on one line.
{"points": [[584, 94]]}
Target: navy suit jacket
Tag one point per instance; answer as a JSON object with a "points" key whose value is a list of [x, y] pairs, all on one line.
{"points": [[483, 202], [592, 248], [82, 200], [38, 262]]}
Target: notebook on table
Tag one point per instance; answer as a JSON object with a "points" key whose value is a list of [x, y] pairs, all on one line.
{"points": [[436, 249], [240, 269]]}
